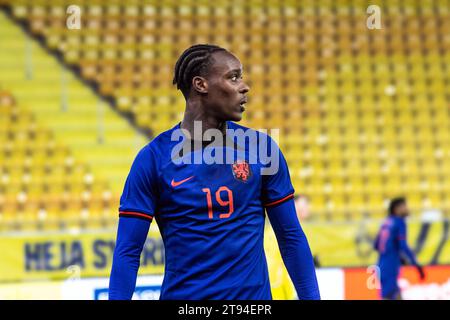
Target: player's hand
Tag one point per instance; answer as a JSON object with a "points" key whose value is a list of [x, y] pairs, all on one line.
{"points": [[421, 272], [403, 261]]}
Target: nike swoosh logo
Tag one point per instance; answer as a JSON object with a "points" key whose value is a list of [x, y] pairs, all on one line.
{"points": [[177, 183]]}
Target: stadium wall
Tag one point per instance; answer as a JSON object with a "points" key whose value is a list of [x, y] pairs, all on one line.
{"points": [[58, 256], [334, 283]]}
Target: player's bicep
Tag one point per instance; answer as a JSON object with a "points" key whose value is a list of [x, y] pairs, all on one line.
{"points": [[376, 242], [277, 186], [401, 233], [139, 194]]}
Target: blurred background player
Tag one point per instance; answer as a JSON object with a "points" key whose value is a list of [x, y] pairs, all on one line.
{"points": [[391, 243]]}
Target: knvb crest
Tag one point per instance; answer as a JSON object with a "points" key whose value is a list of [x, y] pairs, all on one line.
{"points": [[241, 170]]}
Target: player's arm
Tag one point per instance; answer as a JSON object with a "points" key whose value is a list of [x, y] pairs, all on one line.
{"points": [[278, 194], [376, 242], [403, 244], [405, 249], [136, 212], [131, 236], [294, 249]]}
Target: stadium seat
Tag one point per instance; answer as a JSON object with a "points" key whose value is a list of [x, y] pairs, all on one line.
{"points": [[363, 114]]}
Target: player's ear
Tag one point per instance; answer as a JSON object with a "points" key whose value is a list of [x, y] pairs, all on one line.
{"points": [[200, 84]]}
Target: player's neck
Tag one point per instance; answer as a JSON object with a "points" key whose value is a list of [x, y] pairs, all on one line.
{"points": [[193, 113]]}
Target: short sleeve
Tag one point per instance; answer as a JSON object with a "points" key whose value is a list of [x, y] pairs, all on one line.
{"points": [[139, 195], [276, 182]]}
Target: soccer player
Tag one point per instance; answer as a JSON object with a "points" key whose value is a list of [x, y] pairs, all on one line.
{"points": [[210, 216], [391, 245]]}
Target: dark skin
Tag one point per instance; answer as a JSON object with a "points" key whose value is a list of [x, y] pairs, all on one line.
{"points": [[402, 210], [217, 97]]}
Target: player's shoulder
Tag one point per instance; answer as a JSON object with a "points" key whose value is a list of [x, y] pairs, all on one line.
{"points": [[159, 145], [389, 222], [262, 135], [162, 140], [397, 223], [400, 221], [235, 126]]}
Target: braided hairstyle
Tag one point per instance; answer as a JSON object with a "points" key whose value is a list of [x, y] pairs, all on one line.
{"points": [[395, 203], [194, 61]]}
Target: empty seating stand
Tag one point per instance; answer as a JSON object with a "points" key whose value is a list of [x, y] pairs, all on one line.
{"points": [[364, 114]]}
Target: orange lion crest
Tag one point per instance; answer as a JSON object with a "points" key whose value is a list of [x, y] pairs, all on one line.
{"points": [[241, 170]]}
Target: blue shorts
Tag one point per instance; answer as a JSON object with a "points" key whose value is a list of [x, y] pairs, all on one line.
{"points": [[389, 285]]}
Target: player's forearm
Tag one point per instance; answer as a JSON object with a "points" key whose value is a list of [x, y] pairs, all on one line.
{"points": [[295, 250], [408, 252], [131, 236], [123, 277], [376, 242], [402, 239], [300, 265]]}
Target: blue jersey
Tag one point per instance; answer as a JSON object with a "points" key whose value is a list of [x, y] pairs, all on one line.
{"points": [[391, 244], [211, 216]]}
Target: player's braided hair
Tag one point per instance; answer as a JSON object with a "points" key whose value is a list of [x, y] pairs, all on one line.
{"points": [[194, 61], [395, 203]]}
